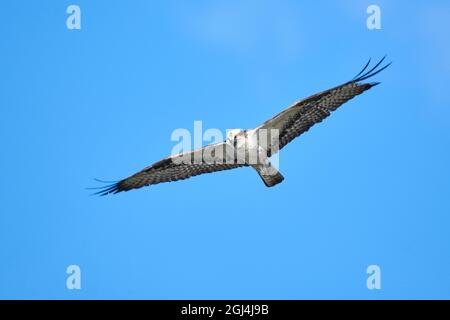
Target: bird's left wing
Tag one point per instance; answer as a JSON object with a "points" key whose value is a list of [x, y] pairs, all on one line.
{"points": [[302, 115], [208, 159]]}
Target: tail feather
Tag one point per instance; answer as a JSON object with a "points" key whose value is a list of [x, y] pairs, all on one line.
{"points": [[270, 179]]}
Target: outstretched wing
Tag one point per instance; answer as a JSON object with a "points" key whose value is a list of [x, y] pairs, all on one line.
{"points": [[304, 114], [208, 159]]}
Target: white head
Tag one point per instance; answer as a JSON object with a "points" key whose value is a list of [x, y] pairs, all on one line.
{"points": [[231, 134]]}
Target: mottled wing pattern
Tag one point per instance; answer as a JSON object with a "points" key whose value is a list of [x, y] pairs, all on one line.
{"points": [[291, 123], [178, 167], [302, 115]]}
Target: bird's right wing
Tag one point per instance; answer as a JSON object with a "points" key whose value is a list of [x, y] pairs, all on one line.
{"points": [[302, 115], [208, 159]]}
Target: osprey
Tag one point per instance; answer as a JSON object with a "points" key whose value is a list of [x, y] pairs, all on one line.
{"points": [[280, 130]]}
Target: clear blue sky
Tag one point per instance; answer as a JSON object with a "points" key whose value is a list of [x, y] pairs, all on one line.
{"points": [[370, 185]]}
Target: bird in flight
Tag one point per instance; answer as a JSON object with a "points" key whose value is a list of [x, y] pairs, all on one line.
{"points": [[246, 148]]}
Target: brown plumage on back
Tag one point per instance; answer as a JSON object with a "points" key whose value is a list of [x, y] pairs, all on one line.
{"points": [[290, 123]]}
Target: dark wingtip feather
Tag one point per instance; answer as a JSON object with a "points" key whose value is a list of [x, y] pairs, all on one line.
{"points": [[372, 72], [104, 181], [364, 69], [376, 72], [105, 190], [114, 188]]}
